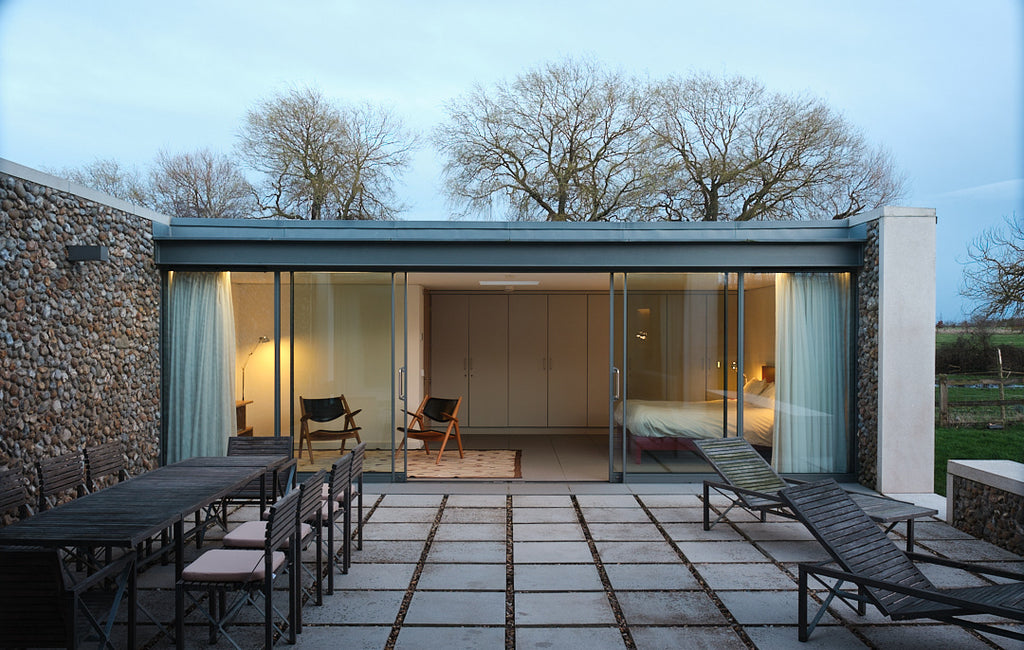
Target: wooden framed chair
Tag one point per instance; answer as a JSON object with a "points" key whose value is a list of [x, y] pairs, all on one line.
{"points": [[435, 419], [321, 411], [336, 504], [250, 573], [102, 462], [887, 577], [59, 476], [14, 500]]}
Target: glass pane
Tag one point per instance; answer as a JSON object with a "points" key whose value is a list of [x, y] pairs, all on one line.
{"points": [[343, 347], [679, 370], [252, 295], [759, 361]]}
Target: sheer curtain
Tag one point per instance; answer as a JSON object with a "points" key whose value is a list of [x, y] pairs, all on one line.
{"points": [[201, 374], [812, 371]]}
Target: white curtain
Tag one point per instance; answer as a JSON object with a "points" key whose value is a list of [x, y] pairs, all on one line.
{"points": [[812, 372], [201, 375]]}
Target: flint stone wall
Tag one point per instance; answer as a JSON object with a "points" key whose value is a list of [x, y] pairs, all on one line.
{"points": [[986, 499], [867, 363], [79, 342]]}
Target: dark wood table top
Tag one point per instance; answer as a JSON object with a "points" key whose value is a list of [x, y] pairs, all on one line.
{"points": [[127, 513]]}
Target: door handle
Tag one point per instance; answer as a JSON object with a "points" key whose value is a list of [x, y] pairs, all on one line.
{"points": [[401, 384], [617, 376]]}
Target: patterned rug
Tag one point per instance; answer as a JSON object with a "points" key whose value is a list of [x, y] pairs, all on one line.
{"points": [[478, 463]]}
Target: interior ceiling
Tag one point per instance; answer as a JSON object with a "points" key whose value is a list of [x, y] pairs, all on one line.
{"points": [[545, 281]]}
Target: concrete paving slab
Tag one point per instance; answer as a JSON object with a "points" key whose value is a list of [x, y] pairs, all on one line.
{"points": [[694, 532], [649, 552], [767, 607], [543, 515], [352, 637], [470, 532], [669, 608], [403, 515], [382, 531], [973, 550], [355, 607], [411, 500], [650, 576], [547, 532], [947, 577], [698, 552], [775, 531], [551, 552], [606, 501], [541, 501], [678, 515], [473, 516], [615, 515], [461, 577], [924, 530], [563, 608], [825, 637], [692, 638], [375, 576], [592, 638], [467, 552], [912, 637], [745, 576], [376, 552], [476, 501], [670, 500], [556, 577], [413, 637], [457, 608], [640, 532]]}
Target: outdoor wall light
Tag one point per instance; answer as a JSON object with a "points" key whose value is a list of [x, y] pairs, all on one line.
{"points": [[77, 253]]}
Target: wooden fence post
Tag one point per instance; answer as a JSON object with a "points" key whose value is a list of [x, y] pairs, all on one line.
{"points": [[943, 401]]}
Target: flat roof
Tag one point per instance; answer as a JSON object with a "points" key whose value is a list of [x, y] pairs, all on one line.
{"points": [[537, 246]]}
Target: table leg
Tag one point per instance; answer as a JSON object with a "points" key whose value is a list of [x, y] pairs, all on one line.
{"points": [[179, 595], [133, 601]]}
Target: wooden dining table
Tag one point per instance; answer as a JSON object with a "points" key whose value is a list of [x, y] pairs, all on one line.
{"points": [[126, 514]]}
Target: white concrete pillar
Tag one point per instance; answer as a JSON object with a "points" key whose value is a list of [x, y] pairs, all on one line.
{"points": [[906, 348]]}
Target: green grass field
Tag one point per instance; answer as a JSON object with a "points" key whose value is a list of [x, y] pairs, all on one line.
{"points": [[949, 336], [975, 444]]}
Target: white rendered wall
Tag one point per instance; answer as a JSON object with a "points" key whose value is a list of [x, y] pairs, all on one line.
{"points": [[906, 348]]}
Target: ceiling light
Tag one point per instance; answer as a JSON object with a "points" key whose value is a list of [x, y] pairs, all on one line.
{"points": [[509, 283]]}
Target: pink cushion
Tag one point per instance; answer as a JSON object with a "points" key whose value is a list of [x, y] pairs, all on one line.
{"points": [[325, 493], [230, 565], [253, 534]]}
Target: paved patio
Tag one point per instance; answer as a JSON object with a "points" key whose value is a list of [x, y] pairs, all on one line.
{"points": [[528, 565]]}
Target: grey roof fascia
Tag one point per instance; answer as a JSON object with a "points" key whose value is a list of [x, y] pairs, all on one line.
{"points": [[245, 244]]}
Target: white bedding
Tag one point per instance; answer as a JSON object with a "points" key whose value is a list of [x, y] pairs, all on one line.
{"points": [[651, 419]]}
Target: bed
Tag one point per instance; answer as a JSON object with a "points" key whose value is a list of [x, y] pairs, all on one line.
{"points": [[671, 426]]}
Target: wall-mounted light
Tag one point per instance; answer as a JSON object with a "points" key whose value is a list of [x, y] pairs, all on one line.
{"points": [[259, 342], [78, 253]]}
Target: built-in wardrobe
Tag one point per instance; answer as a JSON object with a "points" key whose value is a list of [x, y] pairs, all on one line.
{"points": [[521, 359]]}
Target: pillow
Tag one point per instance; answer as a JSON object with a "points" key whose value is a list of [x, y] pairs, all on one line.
{"points": [[769, 391], [753, 387]]}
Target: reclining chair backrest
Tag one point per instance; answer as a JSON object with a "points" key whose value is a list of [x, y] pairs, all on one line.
{"points": [[855, 542]]}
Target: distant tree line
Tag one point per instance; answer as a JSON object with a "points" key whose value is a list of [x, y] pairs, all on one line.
{"points": [[567, 141]]}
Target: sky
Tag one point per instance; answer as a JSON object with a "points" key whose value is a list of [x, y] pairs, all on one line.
{"points": [[940, 83]]}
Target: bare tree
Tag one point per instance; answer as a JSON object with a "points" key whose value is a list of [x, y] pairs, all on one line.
{"points": [[200, 184], [994, 271], [564, 142], [325, 161], [110, 177], [740, 152]]}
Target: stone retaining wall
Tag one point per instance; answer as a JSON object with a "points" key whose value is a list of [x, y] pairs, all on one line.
{"points": [[867, 363], [984, 498], [79, 341]]}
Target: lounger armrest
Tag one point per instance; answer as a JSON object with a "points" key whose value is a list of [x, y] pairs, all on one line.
{"points": [[744, 491], [967, 566], [357, 412]]}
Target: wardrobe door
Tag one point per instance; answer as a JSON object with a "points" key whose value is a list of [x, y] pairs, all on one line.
{"points": [[567, 360], [487, 399], [527, 360], [597, 360], [449, 353]]}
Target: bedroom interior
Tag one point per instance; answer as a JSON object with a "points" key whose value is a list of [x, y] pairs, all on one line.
{"points": [[531, 356]]}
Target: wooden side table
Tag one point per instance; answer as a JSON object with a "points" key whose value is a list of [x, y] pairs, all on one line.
{"points": [[240, 405]]}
